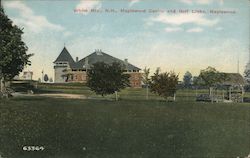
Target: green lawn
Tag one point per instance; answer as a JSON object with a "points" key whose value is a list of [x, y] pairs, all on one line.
{"points": [[128, 128], [127, 94]]}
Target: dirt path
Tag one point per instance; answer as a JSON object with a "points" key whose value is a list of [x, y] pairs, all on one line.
{"points": [[62, 95], [54, 95]]}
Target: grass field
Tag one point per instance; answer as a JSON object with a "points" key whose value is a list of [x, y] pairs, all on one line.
{"points": [[127, 94], [130, 128]]}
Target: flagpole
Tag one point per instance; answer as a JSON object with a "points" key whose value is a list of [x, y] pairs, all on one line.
{"points": [[42, 77]]}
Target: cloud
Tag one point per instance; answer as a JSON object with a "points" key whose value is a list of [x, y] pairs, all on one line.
{"points": [[219, 28], [180, 19], [171, 55], [173, 29], [197, 29], [28, 19], [97, 28], [187, 1], [87, 4], [67, 34], [202, 2], [133, 2]]}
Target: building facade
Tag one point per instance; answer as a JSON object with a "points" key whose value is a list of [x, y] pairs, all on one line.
{"points": [[27, 75], [69, 70]]}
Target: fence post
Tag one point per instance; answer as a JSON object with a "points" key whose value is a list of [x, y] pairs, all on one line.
{"points": [[2, 85], [242, 94], [230, 95], [116, 96], [147, 92], [223, 95], [196, 91], [211, 94], [174, 96]]}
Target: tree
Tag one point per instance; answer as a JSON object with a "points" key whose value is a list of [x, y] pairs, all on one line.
{"points": [[106, 79], [50, 80], [247, 76], [164, 84], [68, 75], [46, 78], [211, 77], [198, 81], [146, 78], [13, 56], [187, 79]]}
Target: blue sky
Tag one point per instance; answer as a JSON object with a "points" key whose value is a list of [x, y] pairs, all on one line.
{"points": [[172, 41]]}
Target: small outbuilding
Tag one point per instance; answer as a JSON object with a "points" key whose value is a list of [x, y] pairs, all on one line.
{"points": [[232, 87]]}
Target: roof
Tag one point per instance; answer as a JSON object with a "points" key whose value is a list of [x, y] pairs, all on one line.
{"points": [[65, 56], [26, 72], [99, 56], [233, 79]]}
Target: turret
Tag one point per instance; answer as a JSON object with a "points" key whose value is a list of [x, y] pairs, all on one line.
{"points": [[63, 62]]}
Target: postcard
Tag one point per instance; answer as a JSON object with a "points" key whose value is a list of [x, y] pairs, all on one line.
{"points": [[124, 79]]}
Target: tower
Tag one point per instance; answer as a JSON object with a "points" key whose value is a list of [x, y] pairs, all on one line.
{"points": [[61, 64]]}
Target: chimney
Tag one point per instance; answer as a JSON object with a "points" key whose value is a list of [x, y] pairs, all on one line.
{"points": [[76, 59], [126, 61], [126, 64]]}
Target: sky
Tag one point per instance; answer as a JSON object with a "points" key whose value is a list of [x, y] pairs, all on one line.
{"points": [[175, 35]]}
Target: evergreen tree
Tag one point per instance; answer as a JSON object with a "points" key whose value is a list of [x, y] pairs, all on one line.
{"points": [[46, 78], [187, 79]]}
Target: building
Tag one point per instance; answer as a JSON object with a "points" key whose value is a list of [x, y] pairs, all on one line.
{"points": [[78, 68], [27, 75], [233, 85]]}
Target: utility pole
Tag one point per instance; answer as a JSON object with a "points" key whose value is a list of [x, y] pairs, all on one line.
{"points": [[238, 66]]}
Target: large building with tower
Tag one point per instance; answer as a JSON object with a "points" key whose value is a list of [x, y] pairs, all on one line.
{"points": [[65, 64]]}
